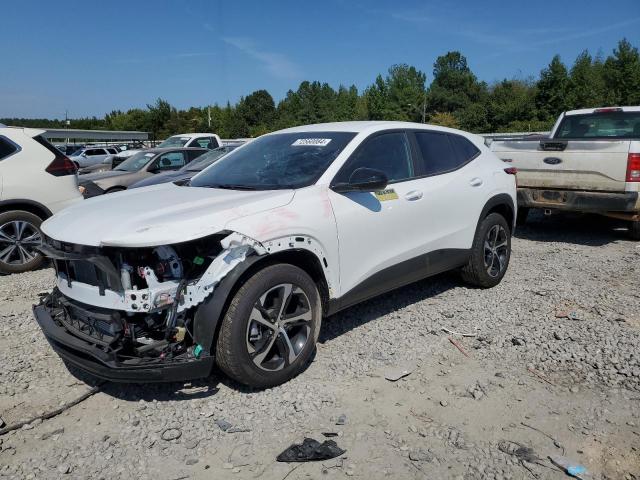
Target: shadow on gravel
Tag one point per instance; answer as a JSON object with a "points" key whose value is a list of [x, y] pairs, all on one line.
{"points": [[580, 229], [377, 307]]}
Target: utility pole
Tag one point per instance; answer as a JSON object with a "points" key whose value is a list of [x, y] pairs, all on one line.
{"points": [[209, 115]]}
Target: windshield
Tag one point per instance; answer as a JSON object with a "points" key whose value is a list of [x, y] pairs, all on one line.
{"points": [[601, 125], [205, 160], [176, 141], [135, 162], [278, 161]]}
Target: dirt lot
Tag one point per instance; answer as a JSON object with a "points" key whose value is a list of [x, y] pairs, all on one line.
{"points": [[554, 365]]}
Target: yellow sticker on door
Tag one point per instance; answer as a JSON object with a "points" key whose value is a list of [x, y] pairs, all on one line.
{"points": [[388, 194]]}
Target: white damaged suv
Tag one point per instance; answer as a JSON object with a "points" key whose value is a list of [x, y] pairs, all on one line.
{"points": [[238, 267]]}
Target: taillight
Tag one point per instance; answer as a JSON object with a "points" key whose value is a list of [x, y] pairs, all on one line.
{"points": [[633, 167], [61, 166], [512, 171], [607, 110]]}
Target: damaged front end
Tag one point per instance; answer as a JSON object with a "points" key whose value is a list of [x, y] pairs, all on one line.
{"points": [[144, 314]]}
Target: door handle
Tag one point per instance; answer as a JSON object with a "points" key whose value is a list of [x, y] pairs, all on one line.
{"points": [[475, 182], [413, 195]]}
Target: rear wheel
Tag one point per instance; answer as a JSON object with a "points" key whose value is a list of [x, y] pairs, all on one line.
{"points": [[19, 237], [634, 230], [270, 329], [490, 252]]}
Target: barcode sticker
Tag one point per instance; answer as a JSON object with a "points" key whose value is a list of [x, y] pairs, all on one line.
{"points": [[311, 142]]}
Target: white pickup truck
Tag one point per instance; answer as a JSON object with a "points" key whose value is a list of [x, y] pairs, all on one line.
{"points": [[589, 163]]}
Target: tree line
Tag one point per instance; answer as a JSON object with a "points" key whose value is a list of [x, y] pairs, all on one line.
{"points": [[454, 98]]}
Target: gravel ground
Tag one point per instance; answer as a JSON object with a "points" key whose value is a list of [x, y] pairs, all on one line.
{"points": [[554, 365]]}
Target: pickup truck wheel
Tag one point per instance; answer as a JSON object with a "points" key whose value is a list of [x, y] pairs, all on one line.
{"points": [[490, 252], [270, 329], [521, 217], [634, 230], [19, 237]]}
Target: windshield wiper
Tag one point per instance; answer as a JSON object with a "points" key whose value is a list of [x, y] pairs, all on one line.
{"points": [[232, 186]]}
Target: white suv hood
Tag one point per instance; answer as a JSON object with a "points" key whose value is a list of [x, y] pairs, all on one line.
{"points": [[158, 215]]}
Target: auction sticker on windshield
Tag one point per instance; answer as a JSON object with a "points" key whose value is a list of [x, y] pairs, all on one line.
{"points": [[311, 142]]}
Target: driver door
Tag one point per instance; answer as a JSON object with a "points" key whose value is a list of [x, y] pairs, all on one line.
{"points": [[381, 234]]}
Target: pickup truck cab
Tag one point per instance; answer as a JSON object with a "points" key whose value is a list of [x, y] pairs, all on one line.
{"points": [[589, 163]]}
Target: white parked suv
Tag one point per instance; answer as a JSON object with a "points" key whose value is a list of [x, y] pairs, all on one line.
{"points": [[239, 266], [201, 140], [36, 180], [89, 156]]}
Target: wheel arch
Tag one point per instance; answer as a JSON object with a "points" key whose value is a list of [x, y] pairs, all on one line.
{"points": [[26, 205], [208, 316], [502, 204]]}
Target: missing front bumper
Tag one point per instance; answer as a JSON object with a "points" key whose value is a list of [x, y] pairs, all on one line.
{"points": [[90, 358]]}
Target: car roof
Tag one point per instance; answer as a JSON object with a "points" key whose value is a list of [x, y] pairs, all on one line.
{"points": [[31, 132], [192, 135], [173, 149], [365, 126], [584, 111]]}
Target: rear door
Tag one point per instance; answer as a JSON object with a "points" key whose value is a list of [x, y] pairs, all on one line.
{"points": [[455, 188]]}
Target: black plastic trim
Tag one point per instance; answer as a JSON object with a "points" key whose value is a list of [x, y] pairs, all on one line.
{"points": [[401, 274], [24, 201], [208, 315], [91, 359]]}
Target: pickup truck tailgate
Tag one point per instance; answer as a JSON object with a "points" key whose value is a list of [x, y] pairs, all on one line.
{"points": [[570, 165]]}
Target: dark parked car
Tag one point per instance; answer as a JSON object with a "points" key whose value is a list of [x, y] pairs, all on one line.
{"points": [[189, 170], [143, 164]]}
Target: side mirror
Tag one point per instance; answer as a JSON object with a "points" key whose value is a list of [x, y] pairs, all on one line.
{"points": [[364, 180]]}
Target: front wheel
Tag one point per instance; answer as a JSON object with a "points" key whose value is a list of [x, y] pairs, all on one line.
{"points": [[270, 329], [490, 252]]}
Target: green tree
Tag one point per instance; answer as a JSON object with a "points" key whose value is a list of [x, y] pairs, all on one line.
{"points": [[622, 74], [455, 89], [257, 109], [159, 115], [586, 86], [511, 101], [551, 98]]}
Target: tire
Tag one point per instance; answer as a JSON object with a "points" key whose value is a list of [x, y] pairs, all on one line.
{"points": [[255, 352], [486, 269], [521, 217], [19, 235], [115, 189], [634, 230]]}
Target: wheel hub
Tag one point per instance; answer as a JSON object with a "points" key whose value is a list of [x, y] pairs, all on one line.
{"points": [[18, 242], [279, 327], [495, 250]]}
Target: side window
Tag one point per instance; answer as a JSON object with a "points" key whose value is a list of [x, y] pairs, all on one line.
{"points": [[465, 150], [388, 152], [93, 152], [171, 161], [112, 151], [206, 142], [193, 154], [7, 147], [437, 153]]}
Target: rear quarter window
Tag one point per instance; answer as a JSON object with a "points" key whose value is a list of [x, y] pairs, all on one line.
{"points": [[7, 148]]}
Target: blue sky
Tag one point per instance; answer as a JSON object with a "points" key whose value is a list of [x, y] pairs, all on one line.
{"points": [[90, 57]]}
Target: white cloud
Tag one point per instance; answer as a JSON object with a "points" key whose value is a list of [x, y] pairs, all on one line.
{"points": [[276, 64]]}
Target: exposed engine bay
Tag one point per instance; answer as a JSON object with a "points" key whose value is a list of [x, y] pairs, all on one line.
{"points": [[137, 303]]}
